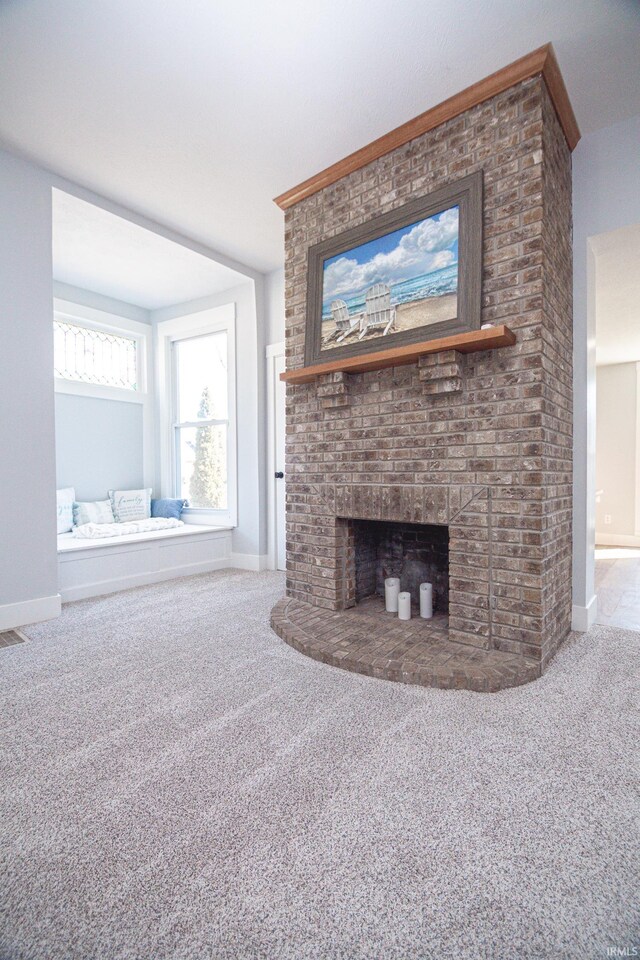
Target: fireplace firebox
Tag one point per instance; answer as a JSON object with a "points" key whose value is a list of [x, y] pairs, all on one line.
{"points": [[413, 552]]}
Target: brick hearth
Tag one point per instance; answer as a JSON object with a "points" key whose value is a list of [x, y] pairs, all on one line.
{"points": [[368, 640], [481, 442]]}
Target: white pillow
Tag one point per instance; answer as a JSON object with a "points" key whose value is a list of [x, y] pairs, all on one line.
{"points": [[130, 504], [64, 499], [96, 511]]}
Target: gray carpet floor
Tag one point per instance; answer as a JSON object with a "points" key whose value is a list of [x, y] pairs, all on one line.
{"points": [[178, 783]]}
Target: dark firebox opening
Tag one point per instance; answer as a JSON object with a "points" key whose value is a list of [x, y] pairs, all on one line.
{"points": [[414, 552]]}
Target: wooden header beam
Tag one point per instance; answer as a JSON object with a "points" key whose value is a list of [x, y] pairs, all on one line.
{"points": [[542, 60]]}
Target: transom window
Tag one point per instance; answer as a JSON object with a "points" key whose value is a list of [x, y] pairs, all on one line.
{"points": [[201, 426], [94, 356]]}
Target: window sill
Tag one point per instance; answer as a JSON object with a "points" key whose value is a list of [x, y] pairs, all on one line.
{"points": [[202, 517], [98, 391]]}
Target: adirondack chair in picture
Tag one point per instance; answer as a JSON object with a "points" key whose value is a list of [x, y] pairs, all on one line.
{"points": [[378, 312], [343, 320]]}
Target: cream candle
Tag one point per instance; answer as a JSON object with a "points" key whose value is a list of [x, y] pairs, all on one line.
{"points": [[391, 591], [404, 606], [426, 601]]}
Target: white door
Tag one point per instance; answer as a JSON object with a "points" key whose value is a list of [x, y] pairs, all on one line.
{"points": [[279, 392], [276, 417]]}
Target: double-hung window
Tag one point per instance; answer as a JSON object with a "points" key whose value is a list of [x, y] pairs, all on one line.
{"points": [[198, 356]]}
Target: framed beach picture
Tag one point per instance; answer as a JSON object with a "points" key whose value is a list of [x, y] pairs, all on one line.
{"points": [[409, 275]]}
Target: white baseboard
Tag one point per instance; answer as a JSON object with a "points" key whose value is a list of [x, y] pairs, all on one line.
{"points": [[616, 540], [103, 587], [29, 611], [249, 561], [583, 618]]}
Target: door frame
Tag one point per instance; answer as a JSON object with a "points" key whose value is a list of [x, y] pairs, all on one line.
{"points": [[273, 352]]}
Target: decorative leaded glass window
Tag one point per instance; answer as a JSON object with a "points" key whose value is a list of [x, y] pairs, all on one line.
{"points": [[94, 356]]}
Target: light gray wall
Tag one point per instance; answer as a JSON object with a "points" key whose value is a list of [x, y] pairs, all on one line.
{"points": [[250, 536], [616, 407], [97, 301], [99, 445], [606, 195], [28, 562], [274, 307]]}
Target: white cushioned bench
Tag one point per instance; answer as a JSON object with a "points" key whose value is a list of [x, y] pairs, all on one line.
{"points": [[90, 568]]}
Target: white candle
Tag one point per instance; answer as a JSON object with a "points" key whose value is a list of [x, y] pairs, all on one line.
{"points": [[426, 601], [391, 591], [404, 606]]}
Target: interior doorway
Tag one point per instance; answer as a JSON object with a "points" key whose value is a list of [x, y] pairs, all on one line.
{"points": [[617, 508], [276, 457]]}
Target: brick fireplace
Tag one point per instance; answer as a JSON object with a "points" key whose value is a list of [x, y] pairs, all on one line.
{"points": [[475, 448]]}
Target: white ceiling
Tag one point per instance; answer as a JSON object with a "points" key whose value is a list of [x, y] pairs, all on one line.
{"points": [[617, 287], [98, 251], [197, 113]]}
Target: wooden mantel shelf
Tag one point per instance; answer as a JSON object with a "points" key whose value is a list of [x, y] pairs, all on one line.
{"points": [[471, 342]]}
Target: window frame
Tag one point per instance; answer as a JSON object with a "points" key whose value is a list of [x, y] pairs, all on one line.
{"points": [[169, 332], [91, 319]]}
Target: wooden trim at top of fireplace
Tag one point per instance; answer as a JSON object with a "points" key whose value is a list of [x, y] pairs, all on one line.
{"points": [[470, 342], [543, 61]]}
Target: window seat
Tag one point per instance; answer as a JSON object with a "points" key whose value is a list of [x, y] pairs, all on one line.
{"points": [[67, 542], [90, 568]]}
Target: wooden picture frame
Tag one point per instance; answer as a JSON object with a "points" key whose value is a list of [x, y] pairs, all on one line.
{"points": [[407, 276]]}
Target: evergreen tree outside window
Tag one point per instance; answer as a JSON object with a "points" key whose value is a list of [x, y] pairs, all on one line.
{"points": [[202, 421], [208, 486]]}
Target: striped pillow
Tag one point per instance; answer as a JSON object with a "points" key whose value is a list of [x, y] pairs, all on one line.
{"points": [[97, 511]]}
